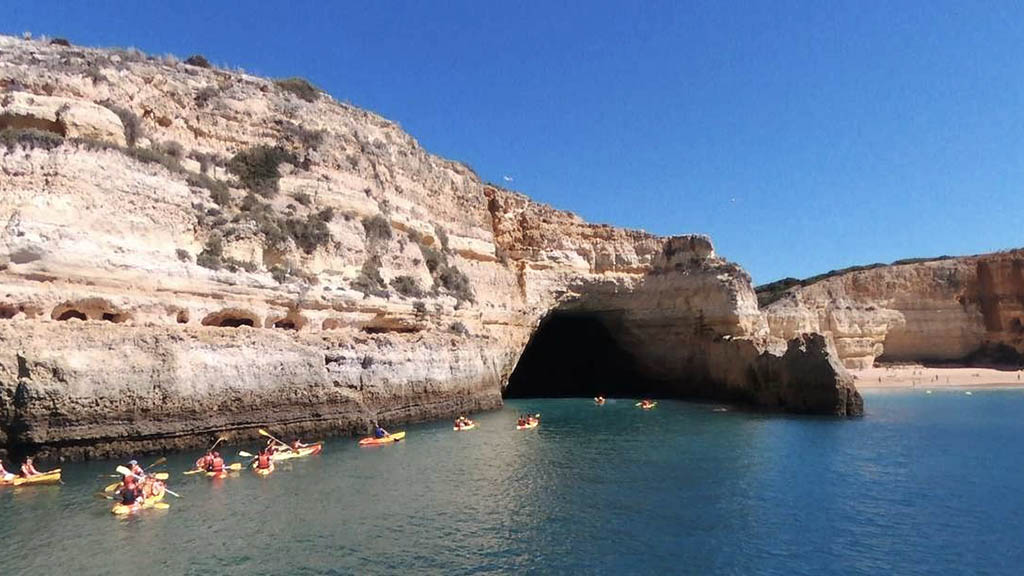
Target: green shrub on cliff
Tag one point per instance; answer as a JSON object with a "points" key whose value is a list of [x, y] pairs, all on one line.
{"points": [[407, 286], [29, 138], [257, 168], [300, 87]]}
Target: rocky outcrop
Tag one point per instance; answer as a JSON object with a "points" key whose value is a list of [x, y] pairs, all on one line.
{"points": [[946, 310], [187, 250]]}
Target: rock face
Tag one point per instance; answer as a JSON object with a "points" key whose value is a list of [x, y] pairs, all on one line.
{"points": [[955, 309], [189, 250]]}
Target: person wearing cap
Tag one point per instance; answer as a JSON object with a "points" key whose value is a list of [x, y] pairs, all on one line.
{"points": [[136, 469]]}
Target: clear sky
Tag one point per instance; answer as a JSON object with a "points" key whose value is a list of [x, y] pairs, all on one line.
{"points": [[802, 136]]}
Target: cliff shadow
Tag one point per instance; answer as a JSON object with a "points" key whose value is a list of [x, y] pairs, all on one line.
{"points": [[575, 354]]}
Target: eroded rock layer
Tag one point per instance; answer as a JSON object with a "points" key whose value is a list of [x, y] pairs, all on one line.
{"points": [[188, 250], [953, 309]]}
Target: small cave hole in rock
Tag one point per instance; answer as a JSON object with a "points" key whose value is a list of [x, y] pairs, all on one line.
{"points": [[235, 322], [8, 311], [285, 324], [182, 317], [575, 354], [69, 314]]}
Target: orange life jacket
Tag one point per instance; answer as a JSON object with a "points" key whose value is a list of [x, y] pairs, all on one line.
{"points": [[263, 461], [217, 465]]}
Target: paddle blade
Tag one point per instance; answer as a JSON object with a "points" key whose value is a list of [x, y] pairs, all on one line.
{"points": [[104, 496], [263, 432], [159, 461], [161, 475], [111, 487], [245, 454], [124, 471], [191, 472], [161, 505], [234, 467]]}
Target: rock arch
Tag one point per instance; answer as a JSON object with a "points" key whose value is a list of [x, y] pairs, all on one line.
{"points": [[232, 318], [90, 309]]}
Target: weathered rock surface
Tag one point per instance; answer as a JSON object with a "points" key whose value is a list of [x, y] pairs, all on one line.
{"points": [[955, 309], [152, 295]]}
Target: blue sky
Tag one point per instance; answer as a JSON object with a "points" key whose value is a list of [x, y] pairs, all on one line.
{"points": [[802, 136]]}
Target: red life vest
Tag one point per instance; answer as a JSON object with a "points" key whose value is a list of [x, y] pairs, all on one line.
{"points": [[264, 461], [216, 465]]}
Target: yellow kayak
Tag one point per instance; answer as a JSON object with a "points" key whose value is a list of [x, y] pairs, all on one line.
{"points": [[51, 477], [151, 502], [311, 450], [371, 441]]}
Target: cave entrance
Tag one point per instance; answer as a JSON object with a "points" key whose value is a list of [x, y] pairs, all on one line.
{"points": [[575, 354]]}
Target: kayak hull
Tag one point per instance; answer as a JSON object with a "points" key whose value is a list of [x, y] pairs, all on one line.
{"points": [[648, 407], [371, 441], [264, 471], [464, 428], [52, 477], [527, 426], [311, 450]]}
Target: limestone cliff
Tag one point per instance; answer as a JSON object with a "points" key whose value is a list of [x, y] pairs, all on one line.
{"points": [[949, 309], [188, 250]]}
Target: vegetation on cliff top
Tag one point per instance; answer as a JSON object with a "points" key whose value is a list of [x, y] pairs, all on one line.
{"points": [[773, 291]]}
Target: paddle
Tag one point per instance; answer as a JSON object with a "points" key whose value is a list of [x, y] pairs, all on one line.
{"points": [[263, 432], [124, 471], [245, 454], [158, 475]]}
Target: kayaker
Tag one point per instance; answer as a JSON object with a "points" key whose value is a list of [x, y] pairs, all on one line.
{"points": [[216, 464], [130, 493], [4, 474], [297, 444], [28, 470], [263, 459], [136, 469], [379, 432], [205, 461]]}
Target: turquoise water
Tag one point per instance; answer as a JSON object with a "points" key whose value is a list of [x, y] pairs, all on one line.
{"points": [[922, 485]]}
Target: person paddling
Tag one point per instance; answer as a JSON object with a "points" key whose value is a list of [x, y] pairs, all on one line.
{"points": [[28, 470], [205, 461], [5, 476], [136, 469], [263, 461], [379, 432], [130, 493], [216, 464]]}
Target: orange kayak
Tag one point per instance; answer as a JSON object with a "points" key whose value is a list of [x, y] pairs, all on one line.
{"points": [[371, 441], [264, 471]]}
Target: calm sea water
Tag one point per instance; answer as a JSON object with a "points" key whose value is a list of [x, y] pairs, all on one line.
{"points": [[922, 485]]}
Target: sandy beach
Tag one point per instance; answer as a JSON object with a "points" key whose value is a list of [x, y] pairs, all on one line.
{"points": [[915, 376]]}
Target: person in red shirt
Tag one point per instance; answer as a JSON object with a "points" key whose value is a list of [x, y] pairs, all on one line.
{"points": [[136, 469]]}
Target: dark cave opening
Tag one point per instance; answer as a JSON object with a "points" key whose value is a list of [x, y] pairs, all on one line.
{"points": [[574, 354]]}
